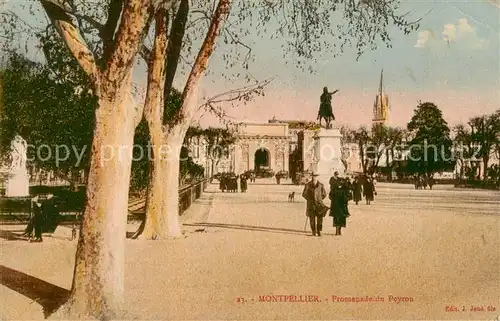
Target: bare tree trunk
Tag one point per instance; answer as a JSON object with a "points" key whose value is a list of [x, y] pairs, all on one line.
{"points": [[170, 215], [362, 157], [486, 160], [154, 227], [162, 217], [98, 279], [98, 282], [153, 110]]}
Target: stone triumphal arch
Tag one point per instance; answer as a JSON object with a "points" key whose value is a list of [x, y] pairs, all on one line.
{"points": [[262, 146]]}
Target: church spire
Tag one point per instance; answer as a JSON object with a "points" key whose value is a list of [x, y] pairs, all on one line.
{"points": [[380, 89], [381, 105]]}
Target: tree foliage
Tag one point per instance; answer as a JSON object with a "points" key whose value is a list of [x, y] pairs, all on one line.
{"points": [[217, 142], [372, 144], [308, 29], [430, 146], [45, 107], [477, 141]]}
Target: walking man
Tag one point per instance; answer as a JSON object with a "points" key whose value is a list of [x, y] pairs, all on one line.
{"points": [[50, 215], [314, 193], [31, 222], [37, 221]]}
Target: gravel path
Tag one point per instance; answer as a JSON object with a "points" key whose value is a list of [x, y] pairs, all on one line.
{"points": [[419, 251]]}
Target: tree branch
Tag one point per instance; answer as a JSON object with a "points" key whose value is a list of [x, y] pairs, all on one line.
{"points": [[107, 32], [153, 105], [240, 94], [175, 45], [62, 21], [128, 39], [144, 51], [237, 41], [91, 21], [201, 62]]}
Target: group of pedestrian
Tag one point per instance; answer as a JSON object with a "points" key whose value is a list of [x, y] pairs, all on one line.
{"points": [[363, 186], [229, 182], [342, 190], [43, 218], [422, 181]]}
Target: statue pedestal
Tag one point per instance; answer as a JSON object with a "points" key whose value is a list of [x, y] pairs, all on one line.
{"points": [[17, 184], [328, 152]]}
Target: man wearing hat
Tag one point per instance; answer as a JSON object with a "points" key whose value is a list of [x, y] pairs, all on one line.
{"points": [[334, 179], [314, 193]]}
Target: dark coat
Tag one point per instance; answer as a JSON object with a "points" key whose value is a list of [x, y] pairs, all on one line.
{"points": [[357, 191], [50, 215], [314, 195], [243, 183], [368, 189], [38, 214], [339, 196]]}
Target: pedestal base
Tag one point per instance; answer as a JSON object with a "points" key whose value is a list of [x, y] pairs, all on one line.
{"points": [[17, 185], [328, 151]]}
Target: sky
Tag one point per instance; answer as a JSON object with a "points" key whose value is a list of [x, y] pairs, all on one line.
{"points": [[452, 60]]}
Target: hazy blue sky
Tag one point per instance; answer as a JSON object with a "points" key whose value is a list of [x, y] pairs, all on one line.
{"points": [[461, 76], [453, 61]]}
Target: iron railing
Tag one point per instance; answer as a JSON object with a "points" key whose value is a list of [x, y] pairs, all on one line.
{"points": [[190, 193], [19, 208]]}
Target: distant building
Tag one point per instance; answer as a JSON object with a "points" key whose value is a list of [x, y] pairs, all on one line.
{"points": [[289, 144], [381, 104]]}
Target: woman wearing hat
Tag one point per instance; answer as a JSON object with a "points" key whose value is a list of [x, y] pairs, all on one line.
{"points": [[339, 196]]}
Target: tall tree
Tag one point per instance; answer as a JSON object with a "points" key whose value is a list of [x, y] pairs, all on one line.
{"points": [[430, 148], [168, 126], [218, 141], [378, 144], [496, 117], [98, 281], [393, 143], [484, 134], [361, 137], [463, 150], [345, 139]]}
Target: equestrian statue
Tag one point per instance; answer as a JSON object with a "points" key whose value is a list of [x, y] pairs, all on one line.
{"points": [[325, 108]]}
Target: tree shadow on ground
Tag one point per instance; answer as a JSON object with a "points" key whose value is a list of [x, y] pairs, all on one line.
{"points": [[257, 201], [251, 228], [272, 184], [205, 199], [48, 295]]}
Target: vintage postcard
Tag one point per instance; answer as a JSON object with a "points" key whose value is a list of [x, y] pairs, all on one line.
{"points": [[249, 160]]}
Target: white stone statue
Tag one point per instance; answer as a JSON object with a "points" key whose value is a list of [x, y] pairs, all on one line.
{"points": [[18, 149], [17, 184]]}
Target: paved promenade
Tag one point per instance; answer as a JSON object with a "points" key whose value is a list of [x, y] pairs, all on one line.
{"points": [[421, 252]]}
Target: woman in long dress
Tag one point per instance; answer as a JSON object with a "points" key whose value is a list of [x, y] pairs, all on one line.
{"points": [[357, 190], [339, 196], [368, 190]]}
